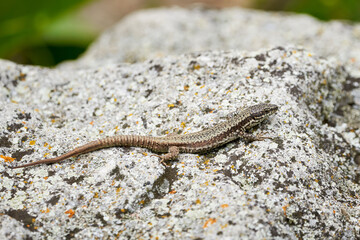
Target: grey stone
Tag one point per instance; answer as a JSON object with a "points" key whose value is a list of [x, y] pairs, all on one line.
{"points": [[174, 31], [303, 183]]}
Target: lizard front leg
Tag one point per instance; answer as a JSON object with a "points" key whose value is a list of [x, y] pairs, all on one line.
{"points": [[250, 137]]}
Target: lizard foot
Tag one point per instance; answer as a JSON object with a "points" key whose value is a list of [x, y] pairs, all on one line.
{"points": [[162, 160], [261, 137]]}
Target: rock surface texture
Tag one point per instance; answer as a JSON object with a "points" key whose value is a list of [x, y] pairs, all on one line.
{"points": [[163, 32], [303, 183]]}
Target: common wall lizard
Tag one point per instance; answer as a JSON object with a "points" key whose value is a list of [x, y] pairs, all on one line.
{"points": [[220, 134]]}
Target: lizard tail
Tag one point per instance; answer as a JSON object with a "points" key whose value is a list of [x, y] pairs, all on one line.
{"points": [[123, 141]]}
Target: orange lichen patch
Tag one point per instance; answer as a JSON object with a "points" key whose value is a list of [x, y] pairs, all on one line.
{"points": [[145, 153], [224, 226], [196, 67], [209, 221], [171, 106], [118, 189], [320, 99], [33, 220], [224, 205], [123, 210], [142, 201], [92, 123], [284, 208], [46, 178], [96, 195], [70, 212], [45, 211], [22, 77], [7, 159], [120, 232], [172, 192], [183, 125], [186, 87], [32, 142], [53, 120], [13, 101], [198, 201]]}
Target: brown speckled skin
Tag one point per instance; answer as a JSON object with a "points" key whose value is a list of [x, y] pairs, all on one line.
{"points": [[220, 134]]}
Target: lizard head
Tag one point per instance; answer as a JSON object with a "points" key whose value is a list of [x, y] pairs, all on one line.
{"points": [[260, 112]]}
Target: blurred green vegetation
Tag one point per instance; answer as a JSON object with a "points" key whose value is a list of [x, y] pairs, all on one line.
{"points": [[321, 9], [42, 32]]}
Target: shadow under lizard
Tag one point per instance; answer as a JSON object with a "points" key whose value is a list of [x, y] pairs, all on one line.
{"points": [[203, 141]]}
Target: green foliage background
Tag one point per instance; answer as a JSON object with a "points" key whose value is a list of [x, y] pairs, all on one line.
{"points": [[31, 31], [321, 9], [45, 32]]}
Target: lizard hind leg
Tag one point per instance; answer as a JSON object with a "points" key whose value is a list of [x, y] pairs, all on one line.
{"points": [[172, 154]]}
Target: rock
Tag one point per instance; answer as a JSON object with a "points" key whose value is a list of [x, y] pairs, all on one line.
{"points": [[303, 183], [174, 31]]}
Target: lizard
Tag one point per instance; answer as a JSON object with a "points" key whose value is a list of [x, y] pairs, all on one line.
{"points": [[173, 144]]}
